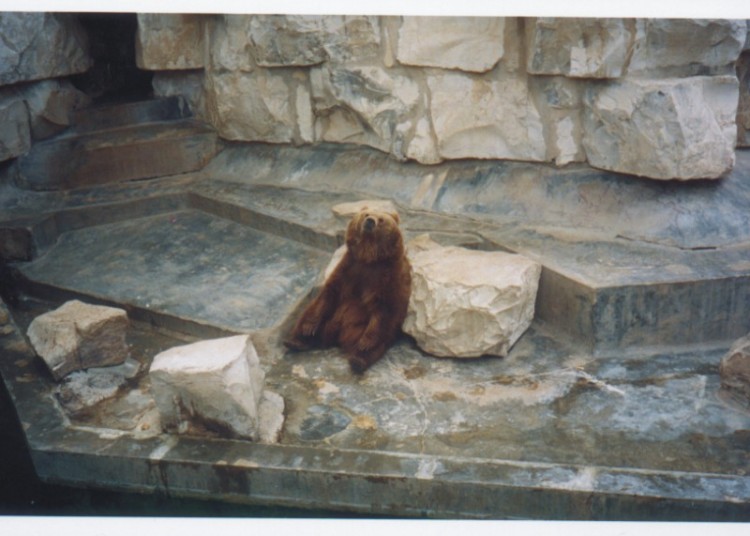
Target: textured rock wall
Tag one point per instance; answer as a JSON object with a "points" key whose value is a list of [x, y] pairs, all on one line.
{"points": [[656, 98], [36, 51]]}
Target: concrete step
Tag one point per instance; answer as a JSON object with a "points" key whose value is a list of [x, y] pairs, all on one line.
{"points": [[121, 142], [130, 113], [139, 151]]}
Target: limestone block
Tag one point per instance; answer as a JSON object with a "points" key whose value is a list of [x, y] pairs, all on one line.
{"points": [[485, 117], [743, 107], [685, 47], [735, 371], [15, 132], [682, 128], [255, 106], [579, 47], [169, 41], [80, 336], [36, 46], [468, 303], [304, 40], [51, 105], [347, 210], [366, 105], [215, 385], [472, 44], [230, 48]]}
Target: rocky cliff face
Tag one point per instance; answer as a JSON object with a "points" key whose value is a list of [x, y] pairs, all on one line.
{"points": [[654, 98]]}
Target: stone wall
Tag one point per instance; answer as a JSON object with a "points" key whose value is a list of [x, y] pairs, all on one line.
{"points": [[655, 98], [37, 50]]}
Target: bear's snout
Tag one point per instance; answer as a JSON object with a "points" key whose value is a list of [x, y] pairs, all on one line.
{"points": [[369, 224]]}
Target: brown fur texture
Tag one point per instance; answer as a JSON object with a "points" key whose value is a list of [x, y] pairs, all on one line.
{"points": [[363, 303]]}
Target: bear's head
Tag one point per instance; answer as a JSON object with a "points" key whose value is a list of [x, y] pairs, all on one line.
{"points": [[374, 236]]}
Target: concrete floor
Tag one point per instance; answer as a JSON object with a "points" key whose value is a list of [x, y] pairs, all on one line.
{"points": [[607, 408]]}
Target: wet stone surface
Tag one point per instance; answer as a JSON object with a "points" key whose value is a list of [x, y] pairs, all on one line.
{"points": [[553, 430]]}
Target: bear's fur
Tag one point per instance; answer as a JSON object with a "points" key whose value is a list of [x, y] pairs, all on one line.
{"points": [[363, 303]]}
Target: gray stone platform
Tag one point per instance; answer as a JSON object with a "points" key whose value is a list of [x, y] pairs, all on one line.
{"points": [[607, 408]]}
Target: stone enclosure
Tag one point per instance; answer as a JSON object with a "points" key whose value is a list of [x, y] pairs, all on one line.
{"points": [[653, 98], [207, 205]]}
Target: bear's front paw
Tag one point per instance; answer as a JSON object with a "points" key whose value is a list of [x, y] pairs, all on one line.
{"points": [[308, 328], [357, 364]]}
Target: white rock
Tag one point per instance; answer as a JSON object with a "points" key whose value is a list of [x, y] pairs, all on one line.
{"points": [[35, 46], [304, 40], [271, 417], [480, 117], [579, 48], [682, 128], [229, 47], [254, 106], [685, 47], [80, 336], [364, 105], [466, 43], [468, 303], [216, 384], [169, 41], [15, 132]]}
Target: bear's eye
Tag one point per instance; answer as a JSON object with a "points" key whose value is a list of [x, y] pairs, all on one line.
{"points": [[380, 220]]}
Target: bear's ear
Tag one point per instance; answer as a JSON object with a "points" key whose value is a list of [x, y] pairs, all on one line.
{"points": [[395, 216]]}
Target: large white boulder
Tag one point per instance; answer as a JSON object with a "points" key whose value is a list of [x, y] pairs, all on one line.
{"points": [[465, 43], [79, 336], [678, 128], [467, 303], [215, 385]]}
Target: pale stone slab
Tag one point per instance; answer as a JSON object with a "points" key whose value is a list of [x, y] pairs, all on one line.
{"points": [[169, 41], [366, 105], [264, 113], [735, 371], [683, 47], [229, 45], [15, 132], [682, 128], [216, 384], [559, 100], [305, 40], [473, 44], [468, 303], [35, 46], [579, 47], [480, 117], [80, 336]]}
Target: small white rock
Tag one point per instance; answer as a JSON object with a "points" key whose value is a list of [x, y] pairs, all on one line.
{"points": [[80, 336], [216, 383]]}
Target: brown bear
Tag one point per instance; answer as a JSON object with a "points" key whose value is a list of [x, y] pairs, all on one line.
{"points": [[363, 302]]}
